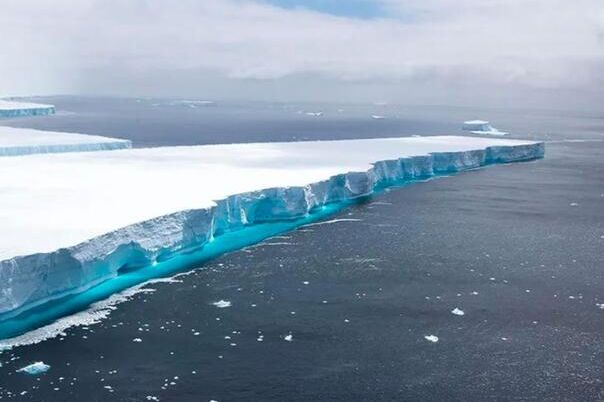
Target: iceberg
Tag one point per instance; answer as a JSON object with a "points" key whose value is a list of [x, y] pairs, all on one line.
{"points": [[35, 368], [22, 141], [481, 127], [21, 109], [74, 221]]}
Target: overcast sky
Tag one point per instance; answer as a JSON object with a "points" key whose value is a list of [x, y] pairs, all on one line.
{"points": [[418, 51]]}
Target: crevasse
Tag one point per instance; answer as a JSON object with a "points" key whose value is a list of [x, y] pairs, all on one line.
{"points": [[32, 280]]}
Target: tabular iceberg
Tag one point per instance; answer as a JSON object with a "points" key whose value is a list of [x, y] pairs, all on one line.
{"points": [[22, 141], [137, 207], [21, 109], [481, 127]]}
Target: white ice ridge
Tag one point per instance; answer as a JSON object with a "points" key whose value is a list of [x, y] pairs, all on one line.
{"points": [[23, 141], [19, 109], [72, 220]]}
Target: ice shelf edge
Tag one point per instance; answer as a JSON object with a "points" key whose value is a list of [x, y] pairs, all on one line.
{"points": [[41, 110], [32, 280], [21, 150]]}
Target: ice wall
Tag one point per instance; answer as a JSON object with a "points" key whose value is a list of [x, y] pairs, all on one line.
{"points": [[24, 141], [60, 148], [21, 109], [30, 280]]}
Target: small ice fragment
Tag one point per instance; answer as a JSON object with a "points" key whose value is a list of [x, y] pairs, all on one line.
{"points": [[431, 338], [574, 204], [306, 282], [504, 338], [457, 311], [289, 337], [137, 340], [152, 398], [222, 303], [35, 368]]}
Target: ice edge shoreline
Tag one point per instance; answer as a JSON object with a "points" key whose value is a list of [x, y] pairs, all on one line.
{"points": [[63, 148], [78, 268], [37, 110]]}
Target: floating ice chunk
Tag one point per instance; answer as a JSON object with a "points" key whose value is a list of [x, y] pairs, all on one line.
{"points": [[222, 304], [152, 398], [457, 311], [431, 338], [191, 103], [314, 114], [288, 338], [35, 368], [377, 117], [137, 340], [481, 127]]}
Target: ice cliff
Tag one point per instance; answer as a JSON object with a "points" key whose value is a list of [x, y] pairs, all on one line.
{"points": [[33, 279], [21, 109], [22, 141]]}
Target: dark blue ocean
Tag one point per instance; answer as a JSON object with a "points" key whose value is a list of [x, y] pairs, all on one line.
{"points": [[338, 310]]}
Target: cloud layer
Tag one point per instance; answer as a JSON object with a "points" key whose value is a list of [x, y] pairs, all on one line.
{"points": [[113, 46]]}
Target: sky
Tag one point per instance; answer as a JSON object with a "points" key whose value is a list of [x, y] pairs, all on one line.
{"points": [[493, 52]]}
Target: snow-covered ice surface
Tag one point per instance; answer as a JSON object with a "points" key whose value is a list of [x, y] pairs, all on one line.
{"points": [[19, 109], [73, 220], [23, 141]]}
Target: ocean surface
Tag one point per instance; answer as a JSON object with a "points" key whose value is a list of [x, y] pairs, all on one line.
{"points": [[339, 310]]}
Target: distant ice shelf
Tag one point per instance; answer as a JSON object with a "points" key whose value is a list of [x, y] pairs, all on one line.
{"points": [[20, 109], [74, 220], [481, 127], [22, 141]]}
